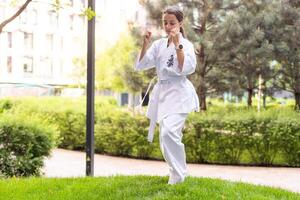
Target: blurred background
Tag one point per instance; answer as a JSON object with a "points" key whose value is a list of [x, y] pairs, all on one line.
{"points": [[247, 51], [247, 79]]}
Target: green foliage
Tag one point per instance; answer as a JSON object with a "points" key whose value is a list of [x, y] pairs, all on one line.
{"points": [[120, 142], [122, 134], [227, 136], [13, 3], [56, 5], [24, 142], [89, 13], [286, 39], [245, 46], [111, 64], [224, 134], [133, 80], [69, 122], [79, 73], [5, 105], [66, 113]]}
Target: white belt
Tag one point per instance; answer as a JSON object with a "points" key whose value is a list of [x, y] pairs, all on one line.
{"points": [[153, 117]]}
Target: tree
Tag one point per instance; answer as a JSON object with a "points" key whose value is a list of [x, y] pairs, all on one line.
{"points": [[245, 46], [112, 66], [287, 47]]}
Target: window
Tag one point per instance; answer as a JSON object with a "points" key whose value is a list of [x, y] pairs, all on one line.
{"points": [[33, 17], [49, 40], [71, 21], [24, 17], [52, 18], [28, 40], [9, 39], [28, 64], [124, 99], [9, 64], [46, 63]]}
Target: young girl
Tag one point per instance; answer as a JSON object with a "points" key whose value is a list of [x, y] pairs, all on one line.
{"points": [[173, 96]]}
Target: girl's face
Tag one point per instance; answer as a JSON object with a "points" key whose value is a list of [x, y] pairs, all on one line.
{"points": [[170, 22]]}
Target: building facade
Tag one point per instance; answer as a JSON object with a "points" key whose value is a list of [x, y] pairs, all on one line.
{"points": [[46, 47]]}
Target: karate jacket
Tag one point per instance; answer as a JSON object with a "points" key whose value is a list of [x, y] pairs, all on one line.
{"points": [[173, 93]]}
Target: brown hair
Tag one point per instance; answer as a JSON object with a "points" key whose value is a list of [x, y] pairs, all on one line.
{"points": [[175, 10]]}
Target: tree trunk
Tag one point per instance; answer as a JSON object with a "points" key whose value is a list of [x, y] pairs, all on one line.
{"points": [[250, 94], [264, 101], [297, 90], [250, 90], [297, 100], [259, 92], [201, 91], [264, 92]]}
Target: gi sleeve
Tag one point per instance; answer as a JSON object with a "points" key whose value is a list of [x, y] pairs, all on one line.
{"points": [[189, 63], [148, 61]]}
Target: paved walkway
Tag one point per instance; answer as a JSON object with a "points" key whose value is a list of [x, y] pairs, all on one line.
{"points": [[64, 163]]}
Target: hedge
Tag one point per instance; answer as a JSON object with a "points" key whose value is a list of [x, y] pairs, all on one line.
{"points": [[222, 135], [24, 143]]}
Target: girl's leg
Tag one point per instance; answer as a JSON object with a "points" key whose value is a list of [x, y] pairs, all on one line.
{"points": [[171, 146]]}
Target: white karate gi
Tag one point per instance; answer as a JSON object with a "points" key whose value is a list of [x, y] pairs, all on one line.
{"points": [[172, 98]]}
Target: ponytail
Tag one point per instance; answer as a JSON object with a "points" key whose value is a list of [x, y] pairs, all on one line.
{"points": [[182, 32]]}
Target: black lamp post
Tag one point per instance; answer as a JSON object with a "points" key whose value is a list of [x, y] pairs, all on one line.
{"points": [[90, 93]]}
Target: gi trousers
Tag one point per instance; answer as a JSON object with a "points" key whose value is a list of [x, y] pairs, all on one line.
{"points": [[172, 148]]}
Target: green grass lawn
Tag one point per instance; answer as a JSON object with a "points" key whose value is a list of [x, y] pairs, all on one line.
{"points": [[134, 187]]}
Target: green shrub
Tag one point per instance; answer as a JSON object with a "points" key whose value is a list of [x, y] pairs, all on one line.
{"points": [[72, 126], [120, 133], [68, 114], [199, 139], [224, 134], [113, 133], [24, 142], [5, 104], [262, 135]]}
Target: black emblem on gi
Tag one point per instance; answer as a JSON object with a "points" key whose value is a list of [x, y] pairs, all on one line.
{"points": [[170, 61]]}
